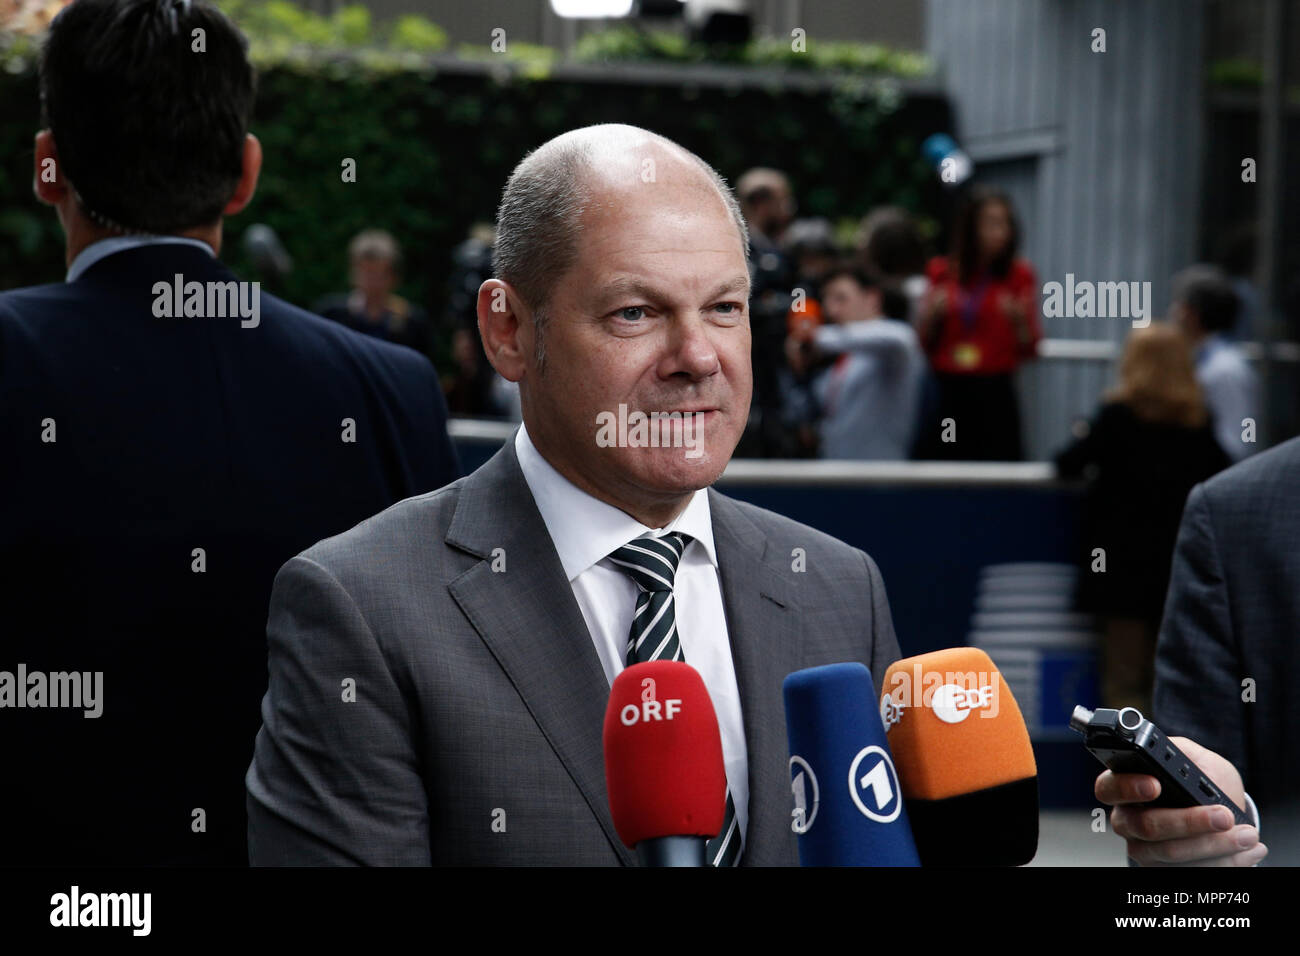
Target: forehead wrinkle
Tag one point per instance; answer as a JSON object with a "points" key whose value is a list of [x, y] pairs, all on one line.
{"points": [[636, 286]]}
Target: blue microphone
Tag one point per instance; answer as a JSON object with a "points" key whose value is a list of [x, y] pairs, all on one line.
{"points": [[848, 805]]}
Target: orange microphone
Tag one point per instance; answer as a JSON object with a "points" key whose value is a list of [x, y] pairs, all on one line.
{"points": [[965, 763]]}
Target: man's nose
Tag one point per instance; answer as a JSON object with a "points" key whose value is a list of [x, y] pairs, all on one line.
{"points": [[690, 349]]}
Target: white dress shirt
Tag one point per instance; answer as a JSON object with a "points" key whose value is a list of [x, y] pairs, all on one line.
{"points": [[103, 248], [1231, 390], [585, 530]]}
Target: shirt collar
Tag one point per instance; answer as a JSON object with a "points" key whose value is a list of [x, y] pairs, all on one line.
{"points": [[103, 248], [585, 529]]}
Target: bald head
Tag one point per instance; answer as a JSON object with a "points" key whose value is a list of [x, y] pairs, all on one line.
{"points": [[622, 288], [587, 170]]}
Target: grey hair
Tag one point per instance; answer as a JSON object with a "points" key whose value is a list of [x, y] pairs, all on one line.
{"points": [[540, 214]]}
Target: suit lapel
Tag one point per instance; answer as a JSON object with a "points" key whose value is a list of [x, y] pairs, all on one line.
{"points": [[530, 621], [766, 645]]}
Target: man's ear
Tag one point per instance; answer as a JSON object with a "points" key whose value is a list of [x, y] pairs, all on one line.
{"points": [[247, 185], [47, 179], [507, 336]]}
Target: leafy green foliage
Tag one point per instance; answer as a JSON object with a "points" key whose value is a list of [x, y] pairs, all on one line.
{"points": [[433, 146], [627, 43]]}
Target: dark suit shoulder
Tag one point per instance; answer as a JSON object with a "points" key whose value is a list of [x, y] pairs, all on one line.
{"points": [[309, 329], [1256, 499], [113, 292], [17, 301], [1274, 471]]}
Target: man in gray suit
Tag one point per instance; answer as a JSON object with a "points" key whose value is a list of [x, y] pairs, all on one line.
{"points": [[1228, 653], [439, 674]]}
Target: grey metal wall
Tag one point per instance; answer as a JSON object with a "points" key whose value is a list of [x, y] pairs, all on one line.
{"points": [[1100, 150]]}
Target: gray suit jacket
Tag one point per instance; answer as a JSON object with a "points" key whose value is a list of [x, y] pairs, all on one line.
{"points": [[1232, 614], [475, 733]]}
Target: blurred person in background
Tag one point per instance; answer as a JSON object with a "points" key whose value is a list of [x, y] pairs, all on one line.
{"points": [[800, 413], [1205, 309], [979, 321], [869, 366], [373, 307], [890, 247], [767, 205], [1148, 444], [469, 385], [810, 247], [472, 384]]}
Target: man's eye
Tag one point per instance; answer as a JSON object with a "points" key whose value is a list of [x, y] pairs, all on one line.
{"points": [[632, 313], [728, 308]]}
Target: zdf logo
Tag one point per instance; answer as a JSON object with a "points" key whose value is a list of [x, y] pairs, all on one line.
{"points": [[953, 704], [890, 711]]}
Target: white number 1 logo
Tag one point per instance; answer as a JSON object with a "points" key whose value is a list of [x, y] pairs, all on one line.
{"points": [[882, 791]]}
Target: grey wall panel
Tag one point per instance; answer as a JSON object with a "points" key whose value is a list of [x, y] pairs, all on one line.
{"points": [[1115, 192]]}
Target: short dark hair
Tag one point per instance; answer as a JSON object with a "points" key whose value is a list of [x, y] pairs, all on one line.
{"points": [[1206, 291], [848, 269], [893, 301], [891, 243], [150, 135]]}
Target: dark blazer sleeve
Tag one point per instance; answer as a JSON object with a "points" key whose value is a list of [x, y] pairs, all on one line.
{"points": [[884, 642], [1198, 680], [333, 781]]}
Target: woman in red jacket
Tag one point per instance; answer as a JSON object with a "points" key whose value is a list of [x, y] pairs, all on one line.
{"points": [[978, 322]]}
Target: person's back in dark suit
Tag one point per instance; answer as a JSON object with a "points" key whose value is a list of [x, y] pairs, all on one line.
{"points": [[159, 470], [1225, 660], [1230, 645]]}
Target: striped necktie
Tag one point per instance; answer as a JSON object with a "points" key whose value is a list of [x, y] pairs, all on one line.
{"points": [[652, 564]]}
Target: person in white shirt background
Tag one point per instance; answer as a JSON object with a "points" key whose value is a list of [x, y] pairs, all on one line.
{"points": [[868, 395], [1205, 308]]}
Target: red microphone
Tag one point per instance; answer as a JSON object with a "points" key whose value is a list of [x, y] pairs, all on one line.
{"points": [[664, 772]]}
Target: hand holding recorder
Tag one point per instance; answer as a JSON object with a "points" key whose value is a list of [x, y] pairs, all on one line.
{"points": [[1175, 802]]}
